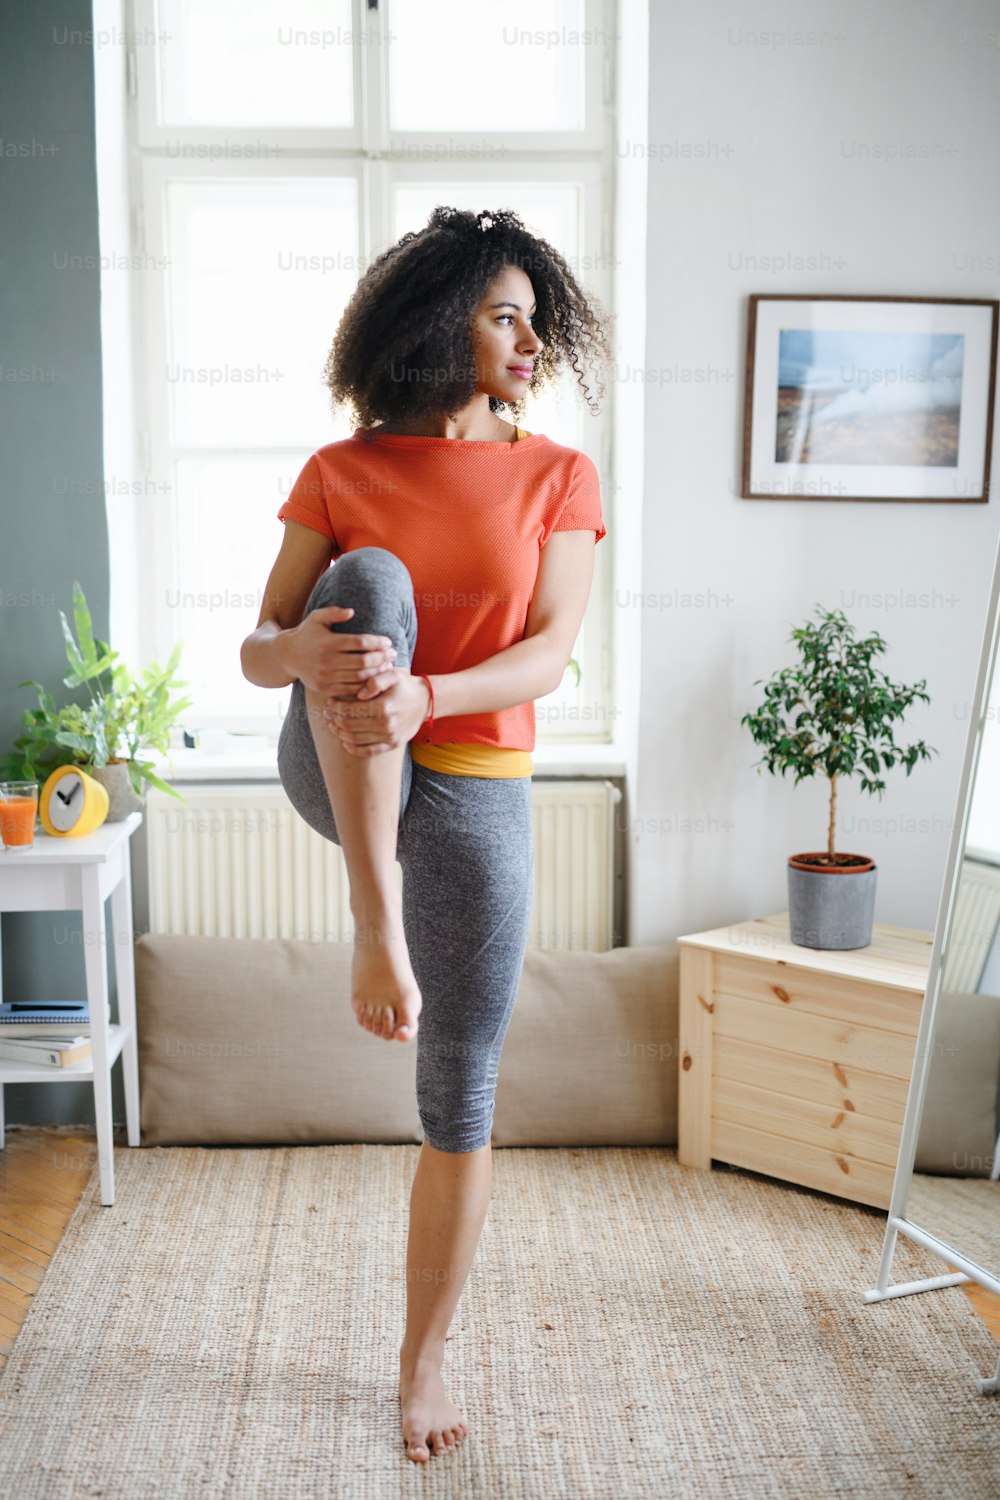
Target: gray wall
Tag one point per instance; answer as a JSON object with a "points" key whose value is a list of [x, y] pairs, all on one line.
{"points": [[51, 467]]}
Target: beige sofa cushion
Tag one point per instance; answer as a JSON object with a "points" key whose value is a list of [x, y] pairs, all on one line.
{"points": [[958, 1123], [591, 1054], [249, 1041]]}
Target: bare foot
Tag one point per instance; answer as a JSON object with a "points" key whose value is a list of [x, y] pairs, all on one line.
{"points": [[432, 1424], [384, 992]]}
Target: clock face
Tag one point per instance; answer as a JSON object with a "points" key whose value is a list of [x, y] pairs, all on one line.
{"points": [[66, 801]]}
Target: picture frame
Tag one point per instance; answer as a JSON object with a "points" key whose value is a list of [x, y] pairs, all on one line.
{"points": [[869, 397]]}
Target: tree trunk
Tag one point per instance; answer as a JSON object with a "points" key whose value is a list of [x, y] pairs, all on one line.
{"points": [[833, 814]]}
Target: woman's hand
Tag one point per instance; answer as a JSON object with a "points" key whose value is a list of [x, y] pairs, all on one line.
{"points": [[332, 661], [386, 713]]}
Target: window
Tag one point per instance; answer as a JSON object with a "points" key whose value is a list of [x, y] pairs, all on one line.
{"points": [[280, 147]]}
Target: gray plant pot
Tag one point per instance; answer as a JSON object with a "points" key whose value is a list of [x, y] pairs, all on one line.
{"points": [[828, 909], [121, 798]]}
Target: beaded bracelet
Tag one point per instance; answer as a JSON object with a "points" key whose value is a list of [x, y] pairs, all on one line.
{"points": [[429, 721]]}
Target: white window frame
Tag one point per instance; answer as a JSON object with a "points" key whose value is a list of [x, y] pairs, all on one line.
{"points": [[158, 537], [151, 135], [378, 159]]}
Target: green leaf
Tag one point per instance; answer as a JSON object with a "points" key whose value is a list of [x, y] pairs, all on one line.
{"points": [[76, 661], [74, 741], [146, 767], [101, 754], [84, 631]]}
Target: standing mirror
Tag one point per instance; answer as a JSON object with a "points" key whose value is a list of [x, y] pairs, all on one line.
{"points": [[946, 1192]]}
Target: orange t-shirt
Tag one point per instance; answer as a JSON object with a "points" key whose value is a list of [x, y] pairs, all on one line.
{"points": [[468, 518]]}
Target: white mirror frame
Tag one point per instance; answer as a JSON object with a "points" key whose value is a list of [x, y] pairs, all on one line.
{"points": [[897, 1222]]}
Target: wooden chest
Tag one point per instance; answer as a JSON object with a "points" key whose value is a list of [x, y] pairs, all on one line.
{"points": [[795, 1062]]}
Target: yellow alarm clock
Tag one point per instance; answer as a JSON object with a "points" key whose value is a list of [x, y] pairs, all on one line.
{"points": [[72, 803]]}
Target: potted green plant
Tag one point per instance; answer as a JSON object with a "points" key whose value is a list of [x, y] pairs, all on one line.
{"points": [[833, 716], [105, 735]]}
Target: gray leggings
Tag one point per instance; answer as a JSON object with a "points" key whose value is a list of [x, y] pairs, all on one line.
{"points": [[467, 853]]}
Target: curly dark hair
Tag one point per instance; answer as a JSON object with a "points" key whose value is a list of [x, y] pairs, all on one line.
{"points": [[403, 347]]}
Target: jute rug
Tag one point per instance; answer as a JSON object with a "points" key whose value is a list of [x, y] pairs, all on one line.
{"points": [[964, 1212], [630, 1328]]}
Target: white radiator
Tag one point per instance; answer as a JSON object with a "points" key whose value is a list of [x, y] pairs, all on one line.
{"points": [[973, 926], [238, 861]]}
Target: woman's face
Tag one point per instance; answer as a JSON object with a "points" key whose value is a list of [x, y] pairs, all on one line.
{"points": [[505, 344]]}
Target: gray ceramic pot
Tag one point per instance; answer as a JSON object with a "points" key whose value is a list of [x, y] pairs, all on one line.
{"points": [[121, 798], [831, 909]]}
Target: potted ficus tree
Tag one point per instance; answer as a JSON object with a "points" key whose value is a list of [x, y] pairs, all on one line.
{"points": [[833, 716], [105, 735]]}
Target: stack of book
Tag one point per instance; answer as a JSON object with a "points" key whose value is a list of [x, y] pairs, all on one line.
{"points": [[46, 1032]]}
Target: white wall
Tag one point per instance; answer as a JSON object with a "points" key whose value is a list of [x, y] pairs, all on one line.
{"points": [[709, 835]]}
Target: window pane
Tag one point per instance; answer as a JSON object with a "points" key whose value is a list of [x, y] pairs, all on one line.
{"points": [[255, 63], [575, 710], [514, 66], [258, 276], [551, 210], [227, 539]]}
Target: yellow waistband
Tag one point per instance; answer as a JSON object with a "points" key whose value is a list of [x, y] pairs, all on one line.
{"points": [[473, 760]]}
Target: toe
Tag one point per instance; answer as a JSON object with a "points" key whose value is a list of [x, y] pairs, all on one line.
{"points": [[417, 1450], [405, 1029]]}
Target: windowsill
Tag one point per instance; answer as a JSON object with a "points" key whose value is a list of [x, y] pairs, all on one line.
{"points": [[261, 764]]}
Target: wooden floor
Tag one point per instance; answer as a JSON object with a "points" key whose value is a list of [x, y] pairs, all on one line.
{"points": [[43, 1171]]}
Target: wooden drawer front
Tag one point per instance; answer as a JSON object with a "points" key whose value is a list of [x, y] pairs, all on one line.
{"points": [[848, 1045], [812, 992], [839, 1131], [829, 1172], [852, 1089]]}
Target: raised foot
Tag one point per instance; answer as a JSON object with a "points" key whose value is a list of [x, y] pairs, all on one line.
{"points": [[384, 992], [432, 1424]]}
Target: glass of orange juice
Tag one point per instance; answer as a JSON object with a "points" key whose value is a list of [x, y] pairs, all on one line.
{"points": [[18, 811]]}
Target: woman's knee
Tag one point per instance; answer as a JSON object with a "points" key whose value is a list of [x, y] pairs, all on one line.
{"points": [[356, 576], [456, 1102], [376, 585], [457, 1138]]}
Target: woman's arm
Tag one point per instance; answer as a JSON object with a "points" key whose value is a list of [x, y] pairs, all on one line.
{"points": [[303, 556], [535, 665], [285, 646]]}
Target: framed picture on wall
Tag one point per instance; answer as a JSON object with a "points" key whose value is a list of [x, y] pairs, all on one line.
{"points": [[869, 398]]}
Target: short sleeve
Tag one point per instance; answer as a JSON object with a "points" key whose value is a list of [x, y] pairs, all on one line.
{"points": [[307, 501], [582, 508]]}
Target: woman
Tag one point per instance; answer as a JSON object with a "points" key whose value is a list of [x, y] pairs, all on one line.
{"points": [[464, 554]]}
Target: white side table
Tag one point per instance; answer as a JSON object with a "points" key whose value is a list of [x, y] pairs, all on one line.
{"points": [[79, 874]]}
